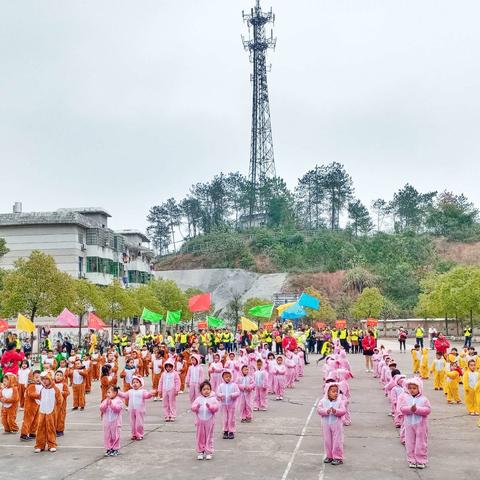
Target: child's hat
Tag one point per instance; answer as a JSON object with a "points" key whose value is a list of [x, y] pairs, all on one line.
{"points": [[140, 379]]}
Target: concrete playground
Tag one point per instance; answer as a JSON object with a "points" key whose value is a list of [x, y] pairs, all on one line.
{"points": [[283, 443]]}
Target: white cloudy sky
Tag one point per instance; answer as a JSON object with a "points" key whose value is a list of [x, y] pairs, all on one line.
{"points": [[123, 104]]}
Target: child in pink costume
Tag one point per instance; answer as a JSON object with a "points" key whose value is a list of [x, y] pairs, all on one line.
{"points": [[228, 393], [205, 407], [215, 371], [136, 397], [168, 388], [344, 363], [396, 391], [279, 378], [343, 376], [290, 365], [260, 379], [415, 408], [195, 376], [376, 360], [296, 361], [111, 411], [246, 386], [230, 364], [270, 367], [252, 361], [332, 409], [301, 365]]}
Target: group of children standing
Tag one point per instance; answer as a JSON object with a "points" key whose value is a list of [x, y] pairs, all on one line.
{"points": [[235, 384], [334, 407], [409, 407], [449, 372]]}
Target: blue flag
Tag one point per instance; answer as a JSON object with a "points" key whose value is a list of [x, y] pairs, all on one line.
{"points": [[309, 301]]}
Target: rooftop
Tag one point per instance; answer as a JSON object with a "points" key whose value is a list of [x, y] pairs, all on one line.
{"points": [[47, 218], [138, 233]]}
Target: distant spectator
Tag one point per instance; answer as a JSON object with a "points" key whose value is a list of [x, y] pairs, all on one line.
{"points": [[441, 344], [11, 358]]}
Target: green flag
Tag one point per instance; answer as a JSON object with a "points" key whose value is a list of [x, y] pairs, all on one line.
{"points": [[150, 316], [174, 317], [214, 322], [264, 311]]}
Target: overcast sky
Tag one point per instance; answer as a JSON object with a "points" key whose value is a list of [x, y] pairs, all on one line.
{"points": [[122, 104]]}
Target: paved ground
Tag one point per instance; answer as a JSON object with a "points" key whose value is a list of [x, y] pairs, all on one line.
{"points": [[283, 443]]}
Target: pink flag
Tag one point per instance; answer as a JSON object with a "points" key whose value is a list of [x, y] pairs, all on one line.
{"points": [[94, 322], [67, 319]]}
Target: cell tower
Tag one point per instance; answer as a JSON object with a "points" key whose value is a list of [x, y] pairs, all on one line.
{"points": [[262, 163]]}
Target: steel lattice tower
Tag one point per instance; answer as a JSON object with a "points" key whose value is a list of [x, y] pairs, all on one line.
{"points": [[262, 163]]}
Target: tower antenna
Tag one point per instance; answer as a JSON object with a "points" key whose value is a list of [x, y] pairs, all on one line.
{"points": [[262, 163]]}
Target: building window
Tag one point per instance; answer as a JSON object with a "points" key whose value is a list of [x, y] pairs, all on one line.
{"points": [[134, 276], [81, 238]]}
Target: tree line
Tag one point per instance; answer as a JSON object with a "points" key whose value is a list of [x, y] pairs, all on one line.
{"points": [[322, 197]]}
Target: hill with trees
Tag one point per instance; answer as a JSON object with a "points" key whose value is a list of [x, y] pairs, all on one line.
{"points": [[320, 230]]}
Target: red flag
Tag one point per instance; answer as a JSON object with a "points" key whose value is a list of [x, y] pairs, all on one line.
{"points": [[3, 325], [200, 303], [94, 322]]}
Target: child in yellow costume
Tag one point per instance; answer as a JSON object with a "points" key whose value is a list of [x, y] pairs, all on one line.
{"points": [[438, 370], [424, 365], [416, 359], [471, 387], [453, 379]]}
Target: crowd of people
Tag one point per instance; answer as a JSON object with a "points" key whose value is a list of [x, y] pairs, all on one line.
{"points": [[221, 373]]}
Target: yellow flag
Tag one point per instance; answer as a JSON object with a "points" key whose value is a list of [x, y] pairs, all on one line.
{"points": [[284, 306], [24, 324], [248, 325]]}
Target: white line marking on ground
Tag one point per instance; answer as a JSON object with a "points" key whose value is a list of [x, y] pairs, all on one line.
{"points": [[299, 442], [321, 474]]}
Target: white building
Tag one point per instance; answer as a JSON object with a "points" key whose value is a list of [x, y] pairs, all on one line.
{"points": [[80, 242]]}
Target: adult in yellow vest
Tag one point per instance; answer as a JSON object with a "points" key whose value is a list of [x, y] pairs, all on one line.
{"points": [[468, 336], [419, 334]]}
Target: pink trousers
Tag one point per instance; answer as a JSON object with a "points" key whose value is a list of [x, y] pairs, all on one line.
{"points": [[111, 434], [245, 406], [193, 391], [347, 419], [228, 412], [333, 440], [290, 376], [204, 437], [279, 385], [137, 419], [270, 383], [416, 442], [170, 403], [260, 398]]}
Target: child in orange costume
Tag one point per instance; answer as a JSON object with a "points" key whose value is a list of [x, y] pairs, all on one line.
{"points": [[61, 410], [24, 375], [137, 362], [108, 379], [77, 376], [156, 365], [96, 365], [9, 399], [50, 398], [87, 363], [182, 367], [30, 416], [146, 357]]}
